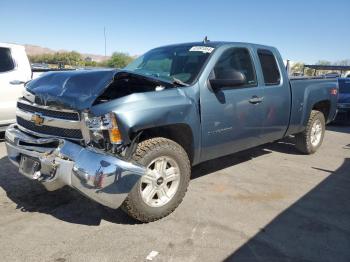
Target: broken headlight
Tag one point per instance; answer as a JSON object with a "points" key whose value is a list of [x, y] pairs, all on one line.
{"points": [[103, 127]]}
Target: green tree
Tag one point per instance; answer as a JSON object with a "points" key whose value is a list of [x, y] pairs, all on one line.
{"points": [[119, 60], [74, 59], [300, 68], [323, 62], [90, 63], [297, 67], [68, 58], [309, 71], [103, 63], [345, 62]]}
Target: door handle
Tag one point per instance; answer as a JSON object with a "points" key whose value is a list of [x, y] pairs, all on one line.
{"points": [[256, 100], [16, 82]]}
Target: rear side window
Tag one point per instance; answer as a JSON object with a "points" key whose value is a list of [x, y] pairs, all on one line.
{"points": [[269, 67], [6, 62]]}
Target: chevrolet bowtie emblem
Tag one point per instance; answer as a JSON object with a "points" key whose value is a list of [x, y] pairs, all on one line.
{"points": [[37, 119]]}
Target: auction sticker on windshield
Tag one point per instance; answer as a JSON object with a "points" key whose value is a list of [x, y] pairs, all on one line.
{"points": [[204, 49]]}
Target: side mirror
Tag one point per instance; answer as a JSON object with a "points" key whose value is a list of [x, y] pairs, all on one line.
{"points": [[227, 78]]}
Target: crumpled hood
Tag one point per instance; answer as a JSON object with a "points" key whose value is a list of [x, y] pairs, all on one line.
{"points": [[79, 89], [76, 89]]}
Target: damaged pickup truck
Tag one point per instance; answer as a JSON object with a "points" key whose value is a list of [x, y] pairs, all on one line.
{"points": [[129, 137]]}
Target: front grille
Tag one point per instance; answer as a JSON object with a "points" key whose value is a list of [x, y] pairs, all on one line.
{"points": [[50, 113], [49, 130]]}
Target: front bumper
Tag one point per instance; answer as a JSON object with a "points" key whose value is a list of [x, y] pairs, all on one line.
{"points": [[103, 178]]}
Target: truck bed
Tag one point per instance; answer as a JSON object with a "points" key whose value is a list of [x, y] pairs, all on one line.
{"points": [[306, 91]]}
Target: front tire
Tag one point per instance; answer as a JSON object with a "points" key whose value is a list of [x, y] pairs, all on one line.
{"points": [[159, 192], [311, 138]]}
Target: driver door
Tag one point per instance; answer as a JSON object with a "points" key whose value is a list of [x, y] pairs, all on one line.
{"points": [[231, 116]]}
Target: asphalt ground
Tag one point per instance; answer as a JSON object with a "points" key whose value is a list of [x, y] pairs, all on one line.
{"points": [[266, 204]]}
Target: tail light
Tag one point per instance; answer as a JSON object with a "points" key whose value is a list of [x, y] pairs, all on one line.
{"points": [[333, 91]]}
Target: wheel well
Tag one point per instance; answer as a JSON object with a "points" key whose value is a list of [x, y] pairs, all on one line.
{"points": [[324, 107], [180, 133]]}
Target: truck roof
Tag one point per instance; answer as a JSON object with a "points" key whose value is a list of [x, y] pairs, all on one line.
{"points": [[11, 45], [217, 44]]}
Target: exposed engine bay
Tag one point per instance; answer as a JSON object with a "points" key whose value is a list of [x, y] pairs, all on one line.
{"points": [[126, 83]]}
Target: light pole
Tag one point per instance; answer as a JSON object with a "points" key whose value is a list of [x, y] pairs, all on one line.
{"points": [[104, 33]]}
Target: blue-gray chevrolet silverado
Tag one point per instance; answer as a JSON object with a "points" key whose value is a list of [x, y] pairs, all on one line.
{"points": [[129, 137]]}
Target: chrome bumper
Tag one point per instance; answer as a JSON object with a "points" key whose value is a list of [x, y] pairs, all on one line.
{"points": [[101, 177]]}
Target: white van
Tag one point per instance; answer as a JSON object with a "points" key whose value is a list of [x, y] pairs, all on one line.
{"points": [[15, 70]]}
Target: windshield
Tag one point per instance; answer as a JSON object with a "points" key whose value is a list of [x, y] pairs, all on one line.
{"points": [[172, 63]]}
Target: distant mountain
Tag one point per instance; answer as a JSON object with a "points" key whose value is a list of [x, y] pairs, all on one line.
{"points": [[38, 50]]}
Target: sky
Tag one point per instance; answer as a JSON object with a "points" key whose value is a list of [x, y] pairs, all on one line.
{"points": [[305, 31]]}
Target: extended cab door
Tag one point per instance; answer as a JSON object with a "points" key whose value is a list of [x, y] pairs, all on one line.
{"points": [[231, 116], [277, 94]]}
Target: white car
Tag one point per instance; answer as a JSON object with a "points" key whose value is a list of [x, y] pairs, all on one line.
{"points": [[15, 70]]}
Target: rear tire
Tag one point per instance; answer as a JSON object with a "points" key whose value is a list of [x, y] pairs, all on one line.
{"points": [[153, 197], [311, 138]]}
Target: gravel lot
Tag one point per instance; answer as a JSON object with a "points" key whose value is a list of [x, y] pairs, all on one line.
{"points": [[265, 204]]}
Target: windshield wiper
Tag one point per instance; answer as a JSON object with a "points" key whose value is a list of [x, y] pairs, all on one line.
{"points": [[174, 80], [178, 82]]}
